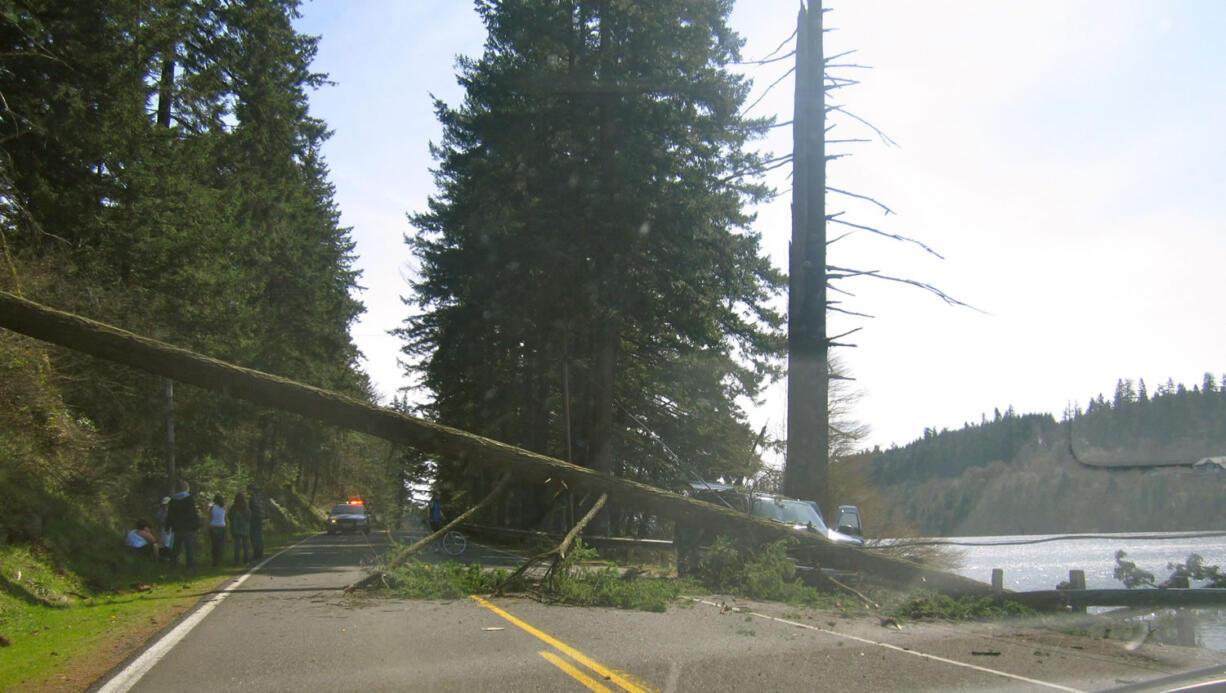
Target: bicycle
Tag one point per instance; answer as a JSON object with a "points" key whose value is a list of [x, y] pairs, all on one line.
{"points": [[454, 543]]}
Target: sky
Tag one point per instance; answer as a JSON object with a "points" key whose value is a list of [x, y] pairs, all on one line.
{"points": [[1065, 158]]}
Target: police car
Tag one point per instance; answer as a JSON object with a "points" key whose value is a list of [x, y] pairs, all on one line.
{"points": [[352, 516]]}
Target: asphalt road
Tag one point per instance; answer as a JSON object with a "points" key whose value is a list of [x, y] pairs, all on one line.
{"points": [[289, 627]]}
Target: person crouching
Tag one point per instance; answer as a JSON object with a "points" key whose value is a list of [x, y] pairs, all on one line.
{"points": [[140, 540]]}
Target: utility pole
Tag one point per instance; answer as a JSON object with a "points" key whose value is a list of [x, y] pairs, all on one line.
{"points": [[805, 471], [170, 434]]}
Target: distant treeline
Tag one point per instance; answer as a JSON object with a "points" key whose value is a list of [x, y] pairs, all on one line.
{"points": [[1109, 467]]}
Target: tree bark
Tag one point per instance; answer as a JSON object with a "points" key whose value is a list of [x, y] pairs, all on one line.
{"points": [[805, 472], [602, 419], [166, 86]]}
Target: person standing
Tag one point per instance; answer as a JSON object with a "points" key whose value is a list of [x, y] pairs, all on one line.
{"points": [[435, 515], [240, 527], [217, 527], [257, 522], [183, 520]]}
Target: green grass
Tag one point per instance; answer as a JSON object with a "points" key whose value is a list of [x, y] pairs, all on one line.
{"points": [[606, 587], [932, 606], [64, 631], [580, 580], [449, 580], [767, 574]]}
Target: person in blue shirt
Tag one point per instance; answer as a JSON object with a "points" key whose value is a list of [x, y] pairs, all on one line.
{"points": [[435, 514]]}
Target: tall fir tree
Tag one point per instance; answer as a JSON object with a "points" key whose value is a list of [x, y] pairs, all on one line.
{"points": [[589, 287], [160, 171]]}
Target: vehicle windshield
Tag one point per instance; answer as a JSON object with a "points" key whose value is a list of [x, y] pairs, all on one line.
{"points": [[794, 512], [346, 509], [848, 518]]}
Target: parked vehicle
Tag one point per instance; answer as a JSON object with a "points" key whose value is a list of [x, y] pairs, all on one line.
{"points": [[847, 522], [352, 516], [802, 515]]}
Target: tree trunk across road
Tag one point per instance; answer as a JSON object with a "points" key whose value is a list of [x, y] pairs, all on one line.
{"points": [[105, 341]]}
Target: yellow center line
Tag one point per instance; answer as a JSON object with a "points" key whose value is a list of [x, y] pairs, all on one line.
{"points": [[591, 683], [603, 671]]}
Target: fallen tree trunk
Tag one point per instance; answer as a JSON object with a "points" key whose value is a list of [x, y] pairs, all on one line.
{"points": [[111, 343]]}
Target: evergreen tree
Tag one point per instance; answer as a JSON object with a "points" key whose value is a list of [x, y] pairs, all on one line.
{"points": [[586, 258], [1124, 392], [160, 171]]}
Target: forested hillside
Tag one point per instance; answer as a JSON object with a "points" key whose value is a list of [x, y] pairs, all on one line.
{"points": [[1114, 466], [160, 171]]}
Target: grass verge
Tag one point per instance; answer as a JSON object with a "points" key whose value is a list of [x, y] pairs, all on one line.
{"points": [[62, 635]]}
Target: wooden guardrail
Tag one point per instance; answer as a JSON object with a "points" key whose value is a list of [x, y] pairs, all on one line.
{"points": [[1074, 595], [654, 551], [1078, 600], [108, 342]]}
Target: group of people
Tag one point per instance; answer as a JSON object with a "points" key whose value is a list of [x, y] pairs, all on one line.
{"points": [[180, 520]]}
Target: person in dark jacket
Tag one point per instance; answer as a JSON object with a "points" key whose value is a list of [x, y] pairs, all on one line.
{"points": [[258, 514], [240, 527], [183, 519]]}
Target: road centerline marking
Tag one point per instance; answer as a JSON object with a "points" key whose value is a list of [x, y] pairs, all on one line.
{"points": [[590, 683], [903, 650], [607, 673]]}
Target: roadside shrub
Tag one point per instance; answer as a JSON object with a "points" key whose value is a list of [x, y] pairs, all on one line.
{"points": [[722, 567], [579, 584], [930, 606], [767, 574], [607, 587]]}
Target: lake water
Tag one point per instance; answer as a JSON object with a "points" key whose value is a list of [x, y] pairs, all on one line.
{"points": [[1041, 562]]}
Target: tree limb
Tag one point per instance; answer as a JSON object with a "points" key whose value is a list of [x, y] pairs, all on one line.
{"points": [[402, 554], [905, 239], [858, 196], [558, 553]]}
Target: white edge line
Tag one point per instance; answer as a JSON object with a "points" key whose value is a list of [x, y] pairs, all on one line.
{"points": [[896, 648], [125, 679]]}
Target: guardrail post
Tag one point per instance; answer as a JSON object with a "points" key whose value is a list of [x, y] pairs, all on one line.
{"points": [[998, 580], [1077, 583], [1185, 627]]}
